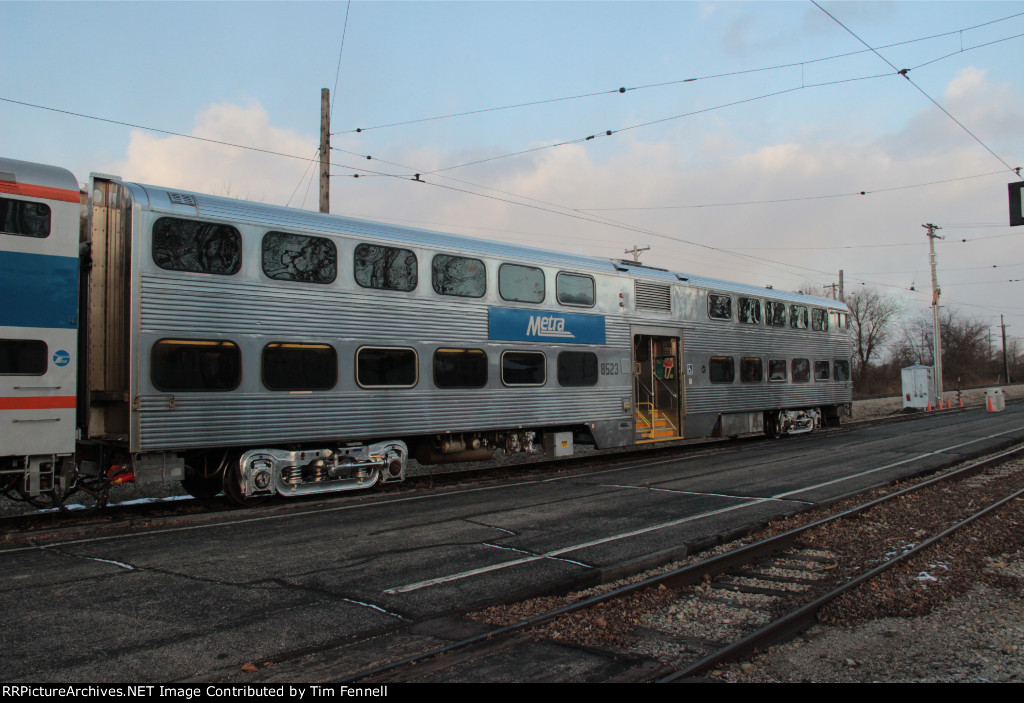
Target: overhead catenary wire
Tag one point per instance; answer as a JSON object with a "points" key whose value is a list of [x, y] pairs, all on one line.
{"points": [[678, 81], [904, 72]]}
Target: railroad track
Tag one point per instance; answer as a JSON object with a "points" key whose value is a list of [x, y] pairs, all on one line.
{"points": [[20, 518], [676, 625]]}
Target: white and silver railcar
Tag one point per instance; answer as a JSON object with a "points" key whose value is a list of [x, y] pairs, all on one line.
{"points": [[277, 350]]}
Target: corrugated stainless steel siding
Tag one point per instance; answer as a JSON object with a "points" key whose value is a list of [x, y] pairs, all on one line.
{"points": [[211, 420]]}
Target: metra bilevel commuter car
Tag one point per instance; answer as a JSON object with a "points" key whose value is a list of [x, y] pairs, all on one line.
{"points": [[150, 334]]}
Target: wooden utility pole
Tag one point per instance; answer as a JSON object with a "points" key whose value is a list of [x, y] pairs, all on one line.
{"points": [[325, 150], [936, 292], [1006, 361], [635, 251]]}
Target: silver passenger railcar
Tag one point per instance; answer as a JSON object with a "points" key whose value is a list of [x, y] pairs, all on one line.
{"points": [[273, 350]]}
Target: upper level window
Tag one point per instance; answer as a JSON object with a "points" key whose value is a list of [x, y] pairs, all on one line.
{"points": [[298, 257], [198, 247], [24, 218], [386, 367], [750, 311], [798, 317], [385, 268], [521, 284], [196, 365], [577, 368], [23, 357], [460, 368], [575, 289], [719, 307], [775, 313], [457, 275], [819, 320], [299, 367]]}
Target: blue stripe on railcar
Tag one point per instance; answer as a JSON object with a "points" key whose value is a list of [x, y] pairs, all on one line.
{"points": [[38, 290], [519, 325]]}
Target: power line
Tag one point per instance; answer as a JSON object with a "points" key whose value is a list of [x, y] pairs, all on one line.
{"points": [[337, 73], [796, 199], [904, 72], [727, 74]]}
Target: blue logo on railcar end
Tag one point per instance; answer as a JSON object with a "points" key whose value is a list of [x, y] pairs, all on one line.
{"points": [[519, 325], [61, 358]]}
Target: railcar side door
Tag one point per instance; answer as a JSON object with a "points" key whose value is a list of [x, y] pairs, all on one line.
{"points": [[657, 391]]}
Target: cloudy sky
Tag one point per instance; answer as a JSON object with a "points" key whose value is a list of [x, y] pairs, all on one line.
{"points": [[755, 141]]}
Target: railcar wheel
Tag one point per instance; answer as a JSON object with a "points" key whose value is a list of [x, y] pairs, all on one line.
{"points": [[232, 482], [200, 486]]}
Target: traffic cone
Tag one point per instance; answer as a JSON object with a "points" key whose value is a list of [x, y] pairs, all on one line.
{"points": [[988, 403], [960, 401], [929, 408]]}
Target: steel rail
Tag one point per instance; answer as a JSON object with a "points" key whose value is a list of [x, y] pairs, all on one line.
{"points": [[697, 572]]}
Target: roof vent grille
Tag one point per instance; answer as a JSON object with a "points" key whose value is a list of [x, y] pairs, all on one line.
{"points": [[655, 297], [183, 199]]}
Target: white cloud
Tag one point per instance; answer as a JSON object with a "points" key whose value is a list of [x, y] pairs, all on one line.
{"points": [[211, 167]]}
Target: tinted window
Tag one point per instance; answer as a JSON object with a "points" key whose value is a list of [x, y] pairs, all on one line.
{"points": [[719, 307], [385, 268], [299, 367], [842, 370], [24, 218], [798, 317], [199, 247], [523, 369], [195, 365], [574, 289], [775, 314], [522, 284], [577, 368], [296, 257], [821, 370], [750, 311], [751, 370], [776, 369], [819, 320], [721, 369], [388, 367], [23, 357], [456, 275], [460, 368], [801, 370]]}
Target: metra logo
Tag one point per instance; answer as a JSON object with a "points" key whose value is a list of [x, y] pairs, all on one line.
{"points": [[548, 326]]}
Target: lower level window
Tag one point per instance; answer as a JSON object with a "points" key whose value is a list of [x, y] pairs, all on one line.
{"points": [[821, 370], [523, 368], [23, 357], [386, 367], [722, 369], [776, 369], [801, 370], [577, 368], [751, 369], [299, 367], [196, 365], [842, 370], [460, 368]]}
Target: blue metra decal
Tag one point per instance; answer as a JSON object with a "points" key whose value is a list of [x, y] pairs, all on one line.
{"points": [[61, 358], [519, 325]]}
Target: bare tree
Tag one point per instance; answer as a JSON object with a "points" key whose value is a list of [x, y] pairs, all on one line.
{"points": [[871, 318], [965, 352]]}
